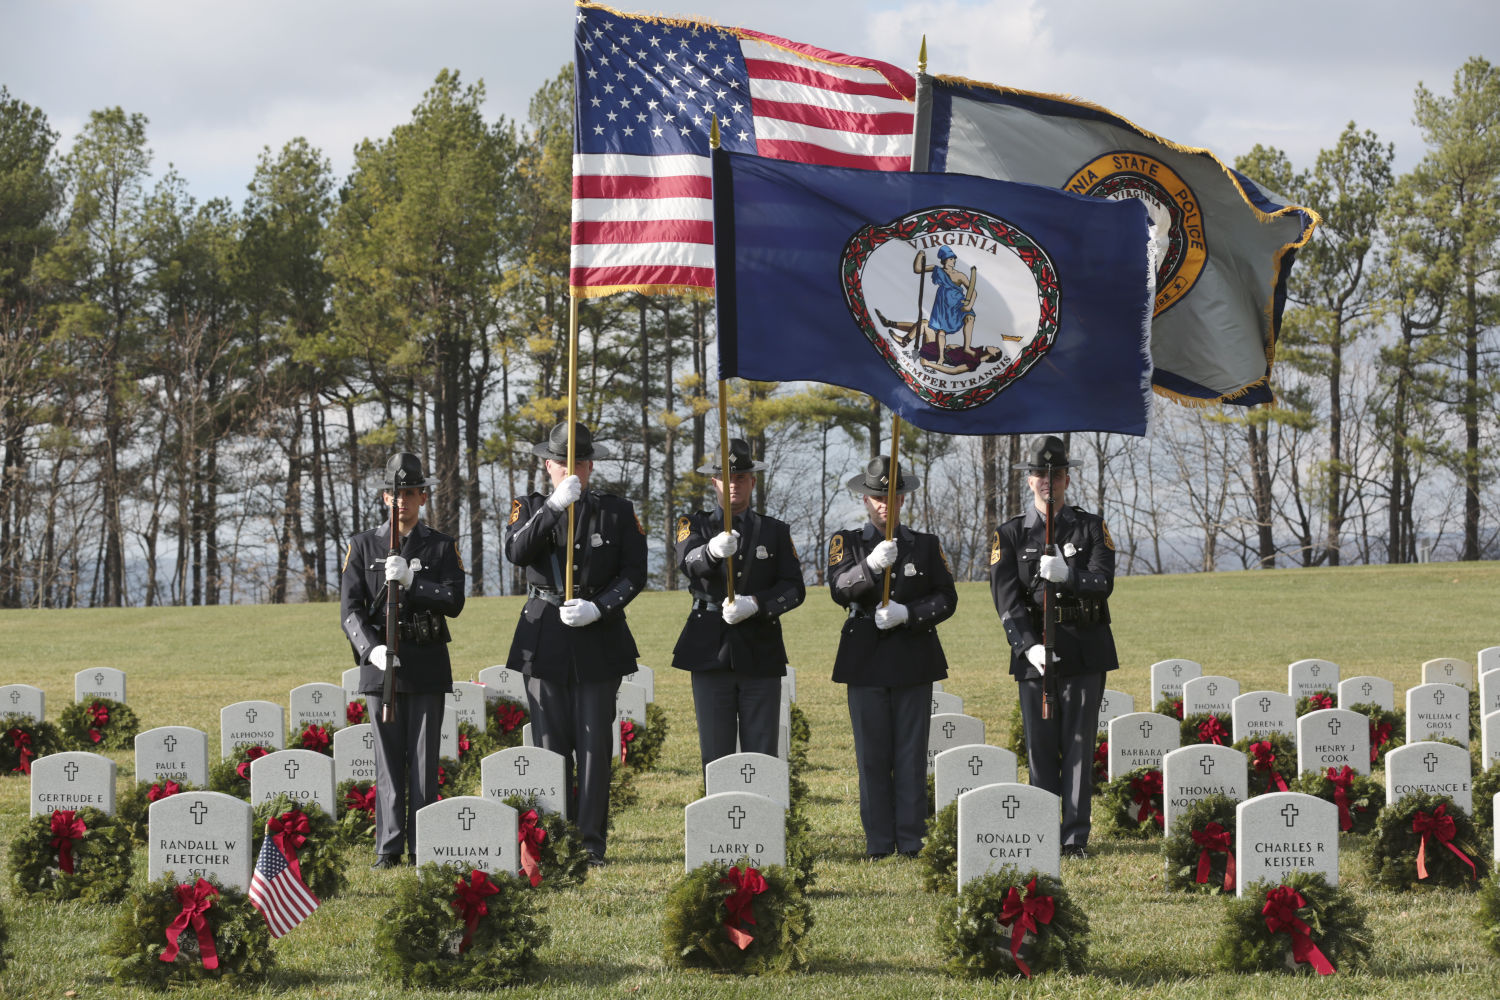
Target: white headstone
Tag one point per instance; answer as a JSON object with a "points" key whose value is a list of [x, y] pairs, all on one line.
{"points": [[1192, 774], [526, 740], [175, 753], [251, 723], [467, 701], [733, 825], [1140, 739], [528, 773], [1306, 678], [789, 684], [350, 682], [1447, 670], [630, 703], [959, 769], [947, 731], [23, 699], [354, 754], [645, 677], [319, 703], [1489, 739], [1488, 659], [471, 831], [756, 773], [1333, 737], [301, 775], [947, 703], [1113, 705], [72, 780], [936, 685], [1282, 832], [1212, 693], [1262, 712], [198, 834], [1489, 693], [1436, 768], [501, 682], [448, 734], [1367, 690], [1008, 826], [1437, 711], [784, 712], [99, 682], [1168, 676]]}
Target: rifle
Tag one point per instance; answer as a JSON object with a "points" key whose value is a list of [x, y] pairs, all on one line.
{"points": [[1049, 682], [392, 627]]}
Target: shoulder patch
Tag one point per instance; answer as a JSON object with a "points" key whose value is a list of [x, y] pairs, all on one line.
{"points": [[836, 550], [995, 552], [1109, 543], [638, 523], [793, 545], [459, 556], [684, 528], [515, 510], [348, 551], [943, 556]]}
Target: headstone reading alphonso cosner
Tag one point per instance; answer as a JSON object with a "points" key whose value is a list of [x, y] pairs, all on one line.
{"points": [[251, 723]]}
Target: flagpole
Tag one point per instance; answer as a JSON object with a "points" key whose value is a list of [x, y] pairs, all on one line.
{"points": [[572, 421], [891, 514], [713, 143]]}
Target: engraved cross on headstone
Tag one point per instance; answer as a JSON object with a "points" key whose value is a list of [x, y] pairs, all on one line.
{"points": [[317, 697], [1289, 812], [736, 816], [1333, 727], [1448, 669], [748, 772], [369, 740], [1431, 761], [250, 715], [1146, 728], [99, 677], [1438, 697], [1177, 670], [467, 816], [170, 742], [1207, 763], [15, 697], [1315, 669], [199, 811], [72, 768], [948, 729], [1212, 688], [976, 764], [1367, 687], [1010, 805], [521, 763], [1265, 704], [291, 768]]}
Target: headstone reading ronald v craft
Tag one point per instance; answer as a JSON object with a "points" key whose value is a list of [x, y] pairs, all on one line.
{"points": [[733, 825], [527, 773], [1309, 677], [946, 703], [1367, 690], [1008, 825], [958, 769], [198, 834], [172, 753], [72, 780], [1284, 832], [354, 754], [501, 682], [756, 773], [316, 704], [251, 723], [23, 699], [1140, 739], [1437, 711], [99, 682], [1446, 670], [1113, 705], [1333, 737], [1257, 713], [947, 731], [1192, 774], [1435, 768], [1209, 694], [304, 776], [645, 677], [471, 831], [1168, 677]]}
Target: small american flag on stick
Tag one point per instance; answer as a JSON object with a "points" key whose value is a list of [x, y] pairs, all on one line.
{"points": [[277, 889]]}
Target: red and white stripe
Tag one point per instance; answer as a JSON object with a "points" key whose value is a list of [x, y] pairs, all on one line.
{"points": [[282, 899]]}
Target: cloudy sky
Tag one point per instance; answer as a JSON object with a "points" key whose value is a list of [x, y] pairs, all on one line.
{"points": [[220, 80]]}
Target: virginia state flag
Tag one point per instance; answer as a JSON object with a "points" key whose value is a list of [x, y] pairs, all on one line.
{"points": [[1224, 248], [966, 305]]}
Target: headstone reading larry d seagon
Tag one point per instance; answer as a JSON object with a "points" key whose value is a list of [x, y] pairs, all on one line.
{"points": [[354, 754], [526, 773], [197, 834], [1008, 826], [172, 753], [1435, 768], [1309, 677], [72, 780], [99, 682], [251, 723], [958, 769], [756, 773], [1192, 774], [1284, 832], [733, 825], [1333, 737], [470, 831], [1140, 739]]}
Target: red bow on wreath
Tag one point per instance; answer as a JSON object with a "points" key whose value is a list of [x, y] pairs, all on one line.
{"points": [[469, 901], [740, 903], [1022, 915], [1342, 780], [531, 837], [1380, 735], [1212, 731], [1280, 911], [20, 739], [463, 745], [1440, 825], [362, 801], [195, 900], [1315, 702], [1177, 709], [290, 830], [315, 738], [1264, 758], [354, 713], [251, 753], [157, 792], [627, 736], [67, 828], [99, 716], [1144, 791], [1214, 839], [509, 716], [1101, 761]]}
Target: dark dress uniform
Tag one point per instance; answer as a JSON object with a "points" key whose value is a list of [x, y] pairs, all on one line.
{"points": [[890, 673], [406, 749], [737, 669], [573, 673], [1059, 750]]}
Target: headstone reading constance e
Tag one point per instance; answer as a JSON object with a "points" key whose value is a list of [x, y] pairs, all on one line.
{"points": [[756, 773], [172, 753], [1284, 832], [251, 723], [1168, 677], [1192, 774], [1008, 825], [947, 731], [1437, 711], [72, 780], [1333, 737], [525, 773], [958, 769], [304, 776], [316, 704], [1435, 768], [198, 834], [1213, 694], [1112, 705], [471, 831], [1259, 713], [733, 825], [99, 682], [1140, 739], [1306, 678], [1366, 690], [354, 754]]}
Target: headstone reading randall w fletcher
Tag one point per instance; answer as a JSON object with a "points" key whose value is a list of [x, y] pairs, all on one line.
{"points": [[645, 677], [251, 723], [1282, 832], [72, 780], [946, 703], [1447, 670], [958, 769], [1305, 678], [23, 699], [1437, 711], [756, 773], [471, 831], [526, 773], [1264, 712], [501, 682], [1008, 825], [198, 834], [1211, 693], [1366, 690], [172, 753], [304, 776], [1113, 705], [1488, 659], [1489, 740], [1192, 774], [354, 754], [1435, 768], [1168, 676], [733, 825], [947, 731], [467, 701], [316, 704], [99, 682], [1140, 739], [1333, 737], [350, 681]]}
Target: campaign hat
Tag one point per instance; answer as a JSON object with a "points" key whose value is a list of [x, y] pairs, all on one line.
{"points": [[739, 460], [875, 480], [556, 445]]}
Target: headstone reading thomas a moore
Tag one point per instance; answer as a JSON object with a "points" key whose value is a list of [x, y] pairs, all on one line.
{"points": [[1191, 774]]}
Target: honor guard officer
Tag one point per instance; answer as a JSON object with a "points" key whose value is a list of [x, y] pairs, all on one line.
{"points": [[574, 652], [1079, 570], [889, 656], [733, 646], [431, 576]]}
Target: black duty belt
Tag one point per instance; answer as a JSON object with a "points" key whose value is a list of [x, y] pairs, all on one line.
{"points": [[417, 628], [855, 611], [704, 604], [552, 597]]}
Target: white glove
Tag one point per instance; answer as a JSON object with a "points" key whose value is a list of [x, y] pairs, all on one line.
{"points": [[724, 544], [578, 612], [565, 493], [380, 658], [882, 557], [396, 570], [1037, 657], [740, 608], [890, 615], [1053, 569]]}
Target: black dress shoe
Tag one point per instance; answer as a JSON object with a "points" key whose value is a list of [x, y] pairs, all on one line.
{"points": [[911, 853], [877, 855], [387, 861], [411, 859], [1074, 851], [595, 861]]}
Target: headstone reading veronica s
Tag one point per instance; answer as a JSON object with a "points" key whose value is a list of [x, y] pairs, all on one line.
{"points": [[527, 773]]}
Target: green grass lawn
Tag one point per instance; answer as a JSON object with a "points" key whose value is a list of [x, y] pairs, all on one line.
{"points": [[873, 934]]}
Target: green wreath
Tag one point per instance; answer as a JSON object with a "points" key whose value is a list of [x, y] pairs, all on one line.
{"points": [[798, 739], [562, 859], [23, 740], [1387, 730], [939, 856], [976, 944], [1393, 856], [622, 790], [232, 774], [1017, 741], [710, 907], [1269, 756], [100, 854], [1317, 701], [799, 846], [421, 939], [99, 724], [1101, 761], [503, 723], [1488, 915], [1364, 797], [133, 808], [642, 750], [356, 812], [1206, 727], [1484, 786], [1132, 804], [318, 855], [316, 738], [460, 776], [1197, 847], [1170, 707], [139, 938], [1334, 923]]}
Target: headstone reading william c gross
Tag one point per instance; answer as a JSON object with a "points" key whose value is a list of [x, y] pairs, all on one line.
{"points": [[1437, 711], [1192, 774]]}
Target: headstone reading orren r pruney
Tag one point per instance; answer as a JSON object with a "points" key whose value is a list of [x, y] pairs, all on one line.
{"points": [[974, 765], [1191, 774], [1367, 690], [72, 780], [471, 831], [1333, 737], [1008, 826], [1168, 676], [99, 682], [756, 773], [1258, 713], [947, 731], [354, 754], [1140, 739], [172, 753], [1305, 678], [1283, 832], [251, 723], [733, 825], [318, 703], [526, 773], [1212, 693], [1435, 768], [197, 834], [1437, 711]]}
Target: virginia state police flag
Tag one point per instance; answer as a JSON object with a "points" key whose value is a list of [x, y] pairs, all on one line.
{"points": [[966, 305]]}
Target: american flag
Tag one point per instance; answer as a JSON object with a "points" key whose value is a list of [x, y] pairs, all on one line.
{"points": [[646, 90], [277, 891]]}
